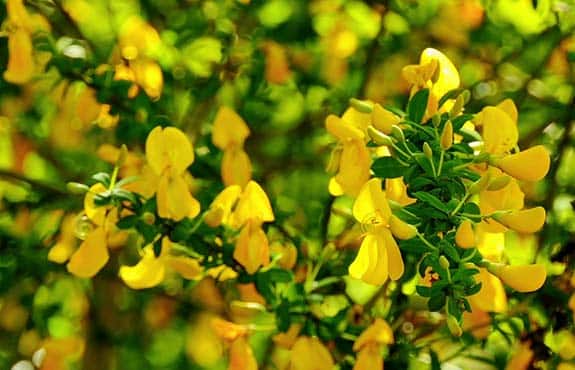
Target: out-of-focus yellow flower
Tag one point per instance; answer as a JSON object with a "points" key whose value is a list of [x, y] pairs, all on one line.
{"points": [[288, 253], [434, 71], [287, 339], [60, 352], [241, 356], [202, 343], [379, 256], [21, 27], [66, 243], [169, 153], [354, 163], [277, 65], [229, 134], [309, 353], [378, 332], [521, 358]]}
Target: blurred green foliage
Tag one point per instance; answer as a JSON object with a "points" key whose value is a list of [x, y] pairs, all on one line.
{"points": [[283, 65]]}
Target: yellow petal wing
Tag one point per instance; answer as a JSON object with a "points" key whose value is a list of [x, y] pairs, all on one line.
{"points": [[91, 256]]}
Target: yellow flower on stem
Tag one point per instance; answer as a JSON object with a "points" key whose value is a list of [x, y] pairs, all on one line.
{"points": [[21, 27], [253, 204], [379, 256], [92, 255], [169, 153], [524, 278], [523, 221], [528, 165], [252, 247], [465, 236], [309, 353], [434, 71], [150, 271], [354, 163], [369, 345], [229, 134]]}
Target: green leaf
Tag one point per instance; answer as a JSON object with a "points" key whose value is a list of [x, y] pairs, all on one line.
{"points": [[474, 289], [388, 168], [436, 302], [103, 178], [459, 121], [423, 291], [127, 222], [432, 200], [417, 106], [451, 94]]}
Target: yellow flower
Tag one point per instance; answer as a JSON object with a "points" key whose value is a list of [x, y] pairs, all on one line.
{"points": [[229, 134], [383, 120], [252, 248], [91, 256], [309, 353], [253, 204], [277, 65], [245, 210], [524, 278], [509, 197], [379, 256], [369, 345], [21, 26], [66, 243], [523, 221], [379, 332], [528, 165], [491, 297], [169, 153], [465, 236], [241, 355], [151, 270], [521, 358], [499, 133], [396, 190], [355, 161], [434, 71], [147, 273]]}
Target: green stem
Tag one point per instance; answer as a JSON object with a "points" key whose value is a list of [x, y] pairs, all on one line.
{"points": [[441, 159], [460, 204], [426, 242]]}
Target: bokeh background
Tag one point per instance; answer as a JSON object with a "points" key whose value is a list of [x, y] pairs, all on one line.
{"points": [[284, 65]]}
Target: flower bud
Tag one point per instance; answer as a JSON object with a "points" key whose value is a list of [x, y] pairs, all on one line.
{"points": [[379, 137], [77, 188], [436, 120], [480, 184], [453, 326], [397, 133], [361, 105], [444, 262], [122, 155], [149, 218], [457, 106], [447, 136], [465, 236], [401, 229], [427, 150]]}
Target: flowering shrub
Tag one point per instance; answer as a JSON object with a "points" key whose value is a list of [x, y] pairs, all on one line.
{"points": [[163, 193]]}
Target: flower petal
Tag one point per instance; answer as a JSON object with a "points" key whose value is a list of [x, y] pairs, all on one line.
{"points": [[91, 256], [147, 273]]}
